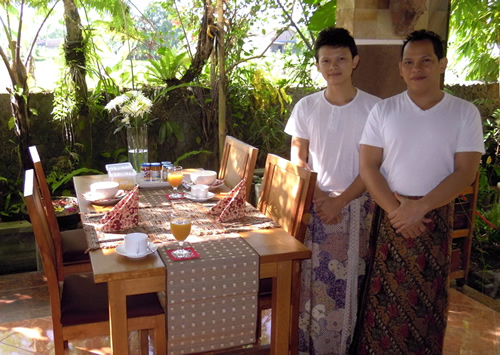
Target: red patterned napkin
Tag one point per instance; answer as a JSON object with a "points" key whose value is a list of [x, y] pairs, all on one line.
{"points": [[124, 215], [232, 206]]}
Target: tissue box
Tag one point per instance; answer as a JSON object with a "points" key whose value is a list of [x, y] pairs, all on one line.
{"points": [[123, 173]]}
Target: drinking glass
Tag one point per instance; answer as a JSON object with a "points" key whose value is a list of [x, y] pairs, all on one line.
{"points": [[174, 177], [181, 227]]}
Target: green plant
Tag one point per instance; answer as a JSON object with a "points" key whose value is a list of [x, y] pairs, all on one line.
{"points": [[475, 38], [11, 197], [57, 179], [162, 70], [260, 108], [189, 154], [118, 155]]}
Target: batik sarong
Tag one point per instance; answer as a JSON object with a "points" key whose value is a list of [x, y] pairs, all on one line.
{"points": [[331, 279], [406, 296]]}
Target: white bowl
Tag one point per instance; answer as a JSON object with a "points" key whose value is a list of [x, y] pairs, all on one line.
{"points": [[106, 189], [203, 177]]}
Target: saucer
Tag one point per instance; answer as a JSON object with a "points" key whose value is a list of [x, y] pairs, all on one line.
{"points": [[94, 199], [216, 184], [199, 199], [120, 249]]}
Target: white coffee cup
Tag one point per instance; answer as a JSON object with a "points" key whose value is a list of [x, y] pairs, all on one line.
{"points": [[199, 191], [136, 243]]}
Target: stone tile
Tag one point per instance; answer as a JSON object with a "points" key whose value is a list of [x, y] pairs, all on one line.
{"points": [[438, 22], [22, 280], [438, 5], [345, 19], [33, 335], [365, 23], [422, 22], [95, 345], [384, 25], [383, 4], [7, 349], [366, 4], [20, 303], [345, 4]]}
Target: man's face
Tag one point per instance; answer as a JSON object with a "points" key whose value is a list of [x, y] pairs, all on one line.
{"points": [[420, 68], [336, 64]]}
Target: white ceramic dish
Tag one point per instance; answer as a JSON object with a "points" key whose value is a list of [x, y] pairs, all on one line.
{"points": [[199, 199], [107, 189], [96, 200], [120, 249], [203, 177]]}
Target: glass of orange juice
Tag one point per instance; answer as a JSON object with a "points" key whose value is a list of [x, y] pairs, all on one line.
{"points": [[180, 227], [174, 177]]}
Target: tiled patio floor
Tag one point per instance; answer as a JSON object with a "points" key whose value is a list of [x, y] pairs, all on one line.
{"points": [[26, 327]]}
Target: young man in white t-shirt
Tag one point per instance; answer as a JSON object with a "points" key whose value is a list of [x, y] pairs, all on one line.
{"points": [[325, 129], [419, 150]]}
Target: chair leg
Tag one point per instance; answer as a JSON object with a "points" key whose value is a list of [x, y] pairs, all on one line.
{"points": [[59, 346], [160, 335], [143, 339]]}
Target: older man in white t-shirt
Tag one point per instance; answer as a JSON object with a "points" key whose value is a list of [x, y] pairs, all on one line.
{"points": [[419, 150]]}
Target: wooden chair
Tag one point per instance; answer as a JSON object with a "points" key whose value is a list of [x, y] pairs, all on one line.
{"points": [[238, 162], [286, 197], [69, 245], [286, 194], [79, 306]]}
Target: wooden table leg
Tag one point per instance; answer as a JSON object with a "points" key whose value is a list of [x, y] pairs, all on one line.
{"points": [[118, 317], [280, 326]]}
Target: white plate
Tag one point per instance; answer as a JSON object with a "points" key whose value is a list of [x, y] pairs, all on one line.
{"points": [[199, 199], [120, 249], [92, 198], [156, 184]]}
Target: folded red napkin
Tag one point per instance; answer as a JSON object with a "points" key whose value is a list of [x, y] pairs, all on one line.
{"points": [[232, 206], [124, 215]]}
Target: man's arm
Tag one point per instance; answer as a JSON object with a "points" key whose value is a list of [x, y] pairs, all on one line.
{"points": [[329, 207], [377, 186], [370, 160], [410, 211], [299, 151]]}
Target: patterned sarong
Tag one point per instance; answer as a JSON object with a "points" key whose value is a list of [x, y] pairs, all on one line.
{"points": [[330, 280], [406, 296]]}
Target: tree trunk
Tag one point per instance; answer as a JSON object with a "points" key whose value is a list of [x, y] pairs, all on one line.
{"points": [[74, 51]]}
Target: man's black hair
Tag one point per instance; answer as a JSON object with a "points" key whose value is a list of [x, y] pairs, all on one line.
{"points": [[422, 35], [335, 37]]}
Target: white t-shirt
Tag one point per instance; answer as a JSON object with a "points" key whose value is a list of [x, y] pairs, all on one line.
{"points": [[420, 145], [333, 133]]}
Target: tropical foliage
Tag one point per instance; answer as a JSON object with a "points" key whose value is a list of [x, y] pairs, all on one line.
{"points": [[475, 38]]}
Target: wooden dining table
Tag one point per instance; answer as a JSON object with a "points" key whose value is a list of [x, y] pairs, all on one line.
{"points": [[277, 252]]}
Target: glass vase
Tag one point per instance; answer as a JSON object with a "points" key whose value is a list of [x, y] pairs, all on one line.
{"points": [[137, 141]]}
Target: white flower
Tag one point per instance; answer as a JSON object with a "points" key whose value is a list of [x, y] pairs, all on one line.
{"points": [[134, 108], [126, 120]]}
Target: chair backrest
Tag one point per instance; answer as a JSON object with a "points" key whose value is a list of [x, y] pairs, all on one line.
{"points": [[48, 209], [286, 194], [238, 162], [44, 241]]}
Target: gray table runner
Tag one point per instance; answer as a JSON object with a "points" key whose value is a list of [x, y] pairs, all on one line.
{"points": [[212, 300]]}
